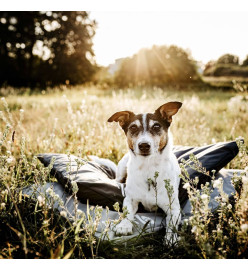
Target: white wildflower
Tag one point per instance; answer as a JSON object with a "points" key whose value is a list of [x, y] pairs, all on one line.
{"points": [[4, 192], [229, 206], [63, 213], [225, 198], [45, 222], [74, 186], [204, 197], [186, 221], [79, 212], [194, 229], [186, 185], [2, 206], [56, 197], [41, 200], [21, 111], [244, 227], [217, 183], [10, 160], [50, 192]]}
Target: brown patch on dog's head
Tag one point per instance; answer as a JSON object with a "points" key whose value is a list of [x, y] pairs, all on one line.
{"points": [[163, 141]]}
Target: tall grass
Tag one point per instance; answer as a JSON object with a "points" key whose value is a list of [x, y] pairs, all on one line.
{"points": [[75, 122]]}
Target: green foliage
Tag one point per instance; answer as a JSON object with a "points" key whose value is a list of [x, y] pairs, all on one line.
{"points": [[157, 66], [46, 48]]}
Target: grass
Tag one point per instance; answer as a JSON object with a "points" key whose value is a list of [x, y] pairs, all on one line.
{"points": [[75, 121]]}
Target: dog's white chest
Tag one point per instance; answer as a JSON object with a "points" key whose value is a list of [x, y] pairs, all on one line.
{"points": [[144, 186]]}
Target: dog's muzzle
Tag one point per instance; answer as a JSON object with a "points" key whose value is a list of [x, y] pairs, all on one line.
{"points": [[144, 148]]}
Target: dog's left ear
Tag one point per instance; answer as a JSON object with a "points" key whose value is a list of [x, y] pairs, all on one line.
{"points": [[168, 110]]}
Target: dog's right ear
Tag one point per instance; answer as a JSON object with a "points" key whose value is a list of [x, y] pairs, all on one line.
{"points": [[121, 117]]}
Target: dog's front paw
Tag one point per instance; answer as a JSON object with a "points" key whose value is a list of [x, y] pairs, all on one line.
{"points": [[125, 227], [171, 238]]}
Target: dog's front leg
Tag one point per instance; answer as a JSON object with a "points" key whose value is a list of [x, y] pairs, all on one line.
{"points": [[121, 172], [173, 218], [125, 227]]}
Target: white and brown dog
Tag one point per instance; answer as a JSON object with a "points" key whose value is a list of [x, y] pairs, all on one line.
{"points": [[150, 143]]}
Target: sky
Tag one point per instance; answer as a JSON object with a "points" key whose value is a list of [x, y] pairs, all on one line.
{"points": [[206, 28], [206, 34]]}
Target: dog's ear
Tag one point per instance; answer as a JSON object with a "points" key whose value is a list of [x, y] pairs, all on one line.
{"points": [[168, 110], [121, 117]]}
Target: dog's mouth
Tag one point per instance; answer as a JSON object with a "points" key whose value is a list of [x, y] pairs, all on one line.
{"points": [[144, 154]]}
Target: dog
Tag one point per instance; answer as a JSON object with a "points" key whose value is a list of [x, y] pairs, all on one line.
{"points": [[150, 151]]}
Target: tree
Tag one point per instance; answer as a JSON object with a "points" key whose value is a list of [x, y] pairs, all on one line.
{"points": [[46, 47], [245, 62], [228, 59], [157, 66]]}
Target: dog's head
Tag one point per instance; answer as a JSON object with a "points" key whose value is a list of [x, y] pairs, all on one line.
{"points": [[147, 133]]}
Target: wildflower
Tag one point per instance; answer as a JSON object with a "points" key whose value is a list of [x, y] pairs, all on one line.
{"points": [[186, 221], [56, 197], [63, 213], [41, 200], [80, 213], [2, 206], [229, 206], [217, 183], [45, 222], [4, 192], [10, 159], [49, 191], [204, 197], [21, 111], [186, 186], [244, 227], [194, 229], [74, 186]]}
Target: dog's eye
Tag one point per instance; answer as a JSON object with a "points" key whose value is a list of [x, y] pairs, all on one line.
{"points": [[156, 127], [134, 128]]}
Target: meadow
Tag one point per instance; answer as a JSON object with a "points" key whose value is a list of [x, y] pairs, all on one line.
{"points": [[74, 120]]}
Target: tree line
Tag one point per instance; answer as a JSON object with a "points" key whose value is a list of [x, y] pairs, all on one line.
{"points": [[56, 47], [227, 65]]}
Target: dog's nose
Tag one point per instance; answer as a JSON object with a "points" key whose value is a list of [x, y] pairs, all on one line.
{"points": [[144, 147]]}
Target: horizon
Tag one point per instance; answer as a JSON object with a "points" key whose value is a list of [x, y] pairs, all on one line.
{"points": [[205, 35]]}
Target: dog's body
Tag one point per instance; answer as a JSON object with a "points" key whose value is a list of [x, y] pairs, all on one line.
{"points": [[150, 152]]}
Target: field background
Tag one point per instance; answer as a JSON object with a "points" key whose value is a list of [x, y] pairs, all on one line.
{"points": [[74, 120]]}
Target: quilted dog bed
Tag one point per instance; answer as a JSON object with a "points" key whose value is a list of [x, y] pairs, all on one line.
{"points": [[97, 186]]}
